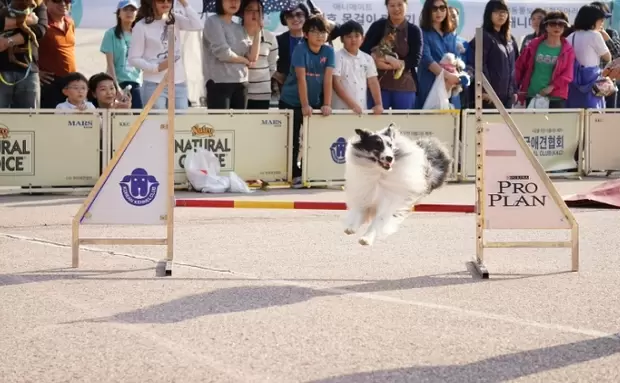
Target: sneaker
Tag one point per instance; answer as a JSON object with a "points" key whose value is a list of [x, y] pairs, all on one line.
{"points": [[297, 183]]}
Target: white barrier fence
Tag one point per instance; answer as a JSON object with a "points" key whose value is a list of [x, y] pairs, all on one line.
{"points": [[42, 149]]}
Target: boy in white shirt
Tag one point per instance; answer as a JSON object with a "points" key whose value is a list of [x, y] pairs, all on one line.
{"points": [[355, 73], [76, 91]]}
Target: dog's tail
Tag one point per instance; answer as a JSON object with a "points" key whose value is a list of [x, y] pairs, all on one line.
{"points": [[439, 161]]}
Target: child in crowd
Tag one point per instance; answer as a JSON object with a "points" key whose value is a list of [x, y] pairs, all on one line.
{"points": [[103, 93], [76, 90], [308, 85], [355, 72]]}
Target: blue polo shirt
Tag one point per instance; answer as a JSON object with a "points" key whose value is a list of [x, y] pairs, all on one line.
{"points": [[315, 64]]}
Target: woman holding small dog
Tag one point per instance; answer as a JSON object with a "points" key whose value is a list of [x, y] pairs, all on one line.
{"points": [[397, 76], [439, 39], [545, 67]]}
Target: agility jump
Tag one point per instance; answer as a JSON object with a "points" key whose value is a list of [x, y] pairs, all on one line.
{"points": [[137, 186], [513, 190]]}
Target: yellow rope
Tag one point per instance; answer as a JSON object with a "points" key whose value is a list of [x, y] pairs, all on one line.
{"points": [[27, 71]]}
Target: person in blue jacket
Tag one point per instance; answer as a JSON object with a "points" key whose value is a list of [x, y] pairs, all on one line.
{"points": [[439, 39]]}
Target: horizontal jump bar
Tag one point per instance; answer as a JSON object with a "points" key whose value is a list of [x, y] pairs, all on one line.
{"points": [[307, 205], [123, 241]]}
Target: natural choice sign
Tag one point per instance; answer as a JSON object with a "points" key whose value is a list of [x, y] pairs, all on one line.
{"points": [[204, 136], [16, 152]]}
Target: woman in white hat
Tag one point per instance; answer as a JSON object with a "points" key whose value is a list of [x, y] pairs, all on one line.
{"points": [[115, 46]]}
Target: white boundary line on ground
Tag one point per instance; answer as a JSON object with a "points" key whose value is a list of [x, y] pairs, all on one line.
{"points": [[336, 291]]}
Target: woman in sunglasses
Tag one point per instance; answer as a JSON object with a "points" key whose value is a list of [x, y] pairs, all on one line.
{"points": [[439, 38], [293, 19], [545, 67]]}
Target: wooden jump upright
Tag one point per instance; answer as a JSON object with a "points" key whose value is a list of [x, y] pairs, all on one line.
{"points": [[164, 267], [557, 217]]}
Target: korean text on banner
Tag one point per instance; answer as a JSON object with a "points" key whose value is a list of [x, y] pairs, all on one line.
{"points": [[49, 149], [553, 137], [327, 137], [515, 195], [135, 191], [603, 139], [254, 145]]}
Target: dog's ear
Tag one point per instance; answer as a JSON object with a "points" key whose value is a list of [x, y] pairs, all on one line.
{"points": [[391, 131], [362, 133]]}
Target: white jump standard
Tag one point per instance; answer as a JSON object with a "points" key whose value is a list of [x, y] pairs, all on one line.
{"points": [[137, 185], [513, 190]]}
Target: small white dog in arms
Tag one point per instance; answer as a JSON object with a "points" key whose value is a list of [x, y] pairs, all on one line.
{"points": [[386, 173]]}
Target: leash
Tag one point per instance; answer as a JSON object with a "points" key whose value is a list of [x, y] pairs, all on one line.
{"points": [[25, 12], [27, 69]]}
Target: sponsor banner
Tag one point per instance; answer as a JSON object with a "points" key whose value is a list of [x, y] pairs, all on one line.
{"points": [[91, 13], [135, 190], [254, 146], [327, 137], [553, 137], [49, 149], [603, 141], [516, 197]]}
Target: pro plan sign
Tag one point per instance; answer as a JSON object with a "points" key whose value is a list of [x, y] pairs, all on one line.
{"points": [[515, 195], [516, 191]]}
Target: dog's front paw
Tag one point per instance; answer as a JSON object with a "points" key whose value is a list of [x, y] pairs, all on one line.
{"points": [[349, 231], [365, 241]]}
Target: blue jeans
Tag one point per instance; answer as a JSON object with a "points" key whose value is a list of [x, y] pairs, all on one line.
{"points": [[395, 99], [20, 93], [180, 95]]}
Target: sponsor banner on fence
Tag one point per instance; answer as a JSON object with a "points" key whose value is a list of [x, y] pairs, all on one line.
{"points": [[553, 137], [254, 146], [327, 137], [49, 149], [516, 197], [603, 142]]}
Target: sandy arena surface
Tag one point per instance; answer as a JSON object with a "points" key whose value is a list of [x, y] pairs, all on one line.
{"points": [[285, 296]]}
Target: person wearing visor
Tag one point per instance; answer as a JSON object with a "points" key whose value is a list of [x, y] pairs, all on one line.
{"points": [[545, 67]]}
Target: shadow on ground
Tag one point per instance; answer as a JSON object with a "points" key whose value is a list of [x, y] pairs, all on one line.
{"points": [[500, 368], [239, 298]]}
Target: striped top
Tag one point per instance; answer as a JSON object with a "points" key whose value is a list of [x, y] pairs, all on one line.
{"points": [[259, 87]]}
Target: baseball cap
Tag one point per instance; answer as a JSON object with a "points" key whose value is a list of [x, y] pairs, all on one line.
{"points": [[126, 3]]}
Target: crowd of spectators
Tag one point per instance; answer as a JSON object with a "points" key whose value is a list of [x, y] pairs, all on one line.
{"points": [[393, 65], [248, 66]]}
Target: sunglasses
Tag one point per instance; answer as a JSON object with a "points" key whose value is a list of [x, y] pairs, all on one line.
{"points": [[441, 8], [555, 24], [62, 1], [299, 15], [163, 1]]}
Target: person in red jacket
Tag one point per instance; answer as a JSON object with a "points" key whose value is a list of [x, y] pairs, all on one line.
{"points": [[545, 67]]}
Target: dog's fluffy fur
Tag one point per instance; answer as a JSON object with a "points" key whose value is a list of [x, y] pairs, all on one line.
{"points": [[386, 173]]}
